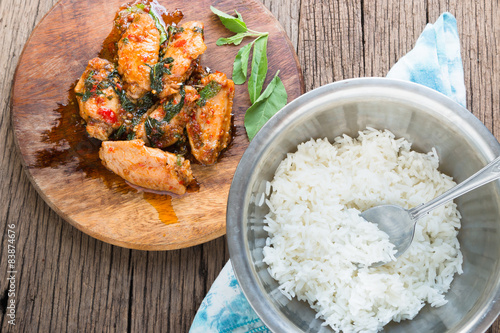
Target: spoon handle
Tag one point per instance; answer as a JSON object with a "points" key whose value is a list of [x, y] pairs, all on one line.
{"points": [[487, 174]]}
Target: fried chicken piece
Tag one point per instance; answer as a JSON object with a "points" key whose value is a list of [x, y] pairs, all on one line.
{"points": [[209, 128], [99, 104], [147, 167], [164, 124], [184, 47], [138, 49]]}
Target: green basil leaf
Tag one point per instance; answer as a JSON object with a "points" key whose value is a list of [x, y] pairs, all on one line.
{"points": [[136, 8], [238, 15], [259, 68], [209, 91], [160, 25], [236, 39], [119, 132], [154, 131], [171, 109], [113, 78], [271, 101], [234, 24], [156, 74], [240, 66]]}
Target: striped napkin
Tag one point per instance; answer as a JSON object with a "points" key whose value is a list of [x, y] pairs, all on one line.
{"points": [[434, 62]]}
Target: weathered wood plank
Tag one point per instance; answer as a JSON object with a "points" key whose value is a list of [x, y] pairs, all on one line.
{"points": [[287, 12], [390, 29], [19, 203], [330, 45]]}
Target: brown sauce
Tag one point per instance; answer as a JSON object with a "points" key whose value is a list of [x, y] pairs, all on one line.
{"points": [[72, 147], [163, 205]]}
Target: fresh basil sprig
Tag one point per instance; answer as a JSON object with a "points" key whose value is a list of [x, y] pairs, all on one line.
{"points": [[236, 25], [274, 97], [271, 101]]}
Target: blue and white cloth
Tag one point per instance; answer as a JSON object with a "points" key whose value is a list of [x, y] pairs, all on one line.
{"points": [[225, 309], [434, 62]]}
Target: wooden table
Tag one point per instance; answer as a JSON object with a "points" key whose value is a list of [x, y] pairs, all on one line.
{"points": [[67, 281]]}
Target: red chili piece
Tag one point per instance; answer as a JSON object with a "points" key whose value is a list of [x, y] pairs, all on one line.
{"points": [[108, 115], [179, 43]]}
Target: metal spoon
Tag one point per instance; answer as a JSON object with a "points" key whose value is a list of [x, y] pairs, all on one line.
{"points": [[399, 223]]}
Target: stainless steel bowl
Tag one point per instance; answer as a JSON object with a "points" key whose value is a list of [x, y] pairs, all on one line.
{"points": [[424, 117]]}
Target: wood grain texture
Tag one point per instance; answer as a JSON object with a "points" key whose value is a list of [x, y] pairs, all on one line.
{"points": [[71, 282], [62, 161]]}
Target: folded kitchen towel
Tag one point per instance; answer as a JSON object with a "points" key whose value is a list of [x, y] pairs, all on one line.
{"points": [[434, 62]]}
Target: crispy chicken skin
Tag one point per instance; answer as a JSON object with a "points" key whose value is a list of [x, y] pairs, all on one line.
{"points": [[99, 104], [164, 125], [147, 167], [209, 128], [184, 47], [138, 47]]}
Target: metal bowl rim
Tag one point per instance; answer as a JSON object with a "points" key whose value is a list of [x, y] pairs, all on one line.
{"points": [[239, 191]]}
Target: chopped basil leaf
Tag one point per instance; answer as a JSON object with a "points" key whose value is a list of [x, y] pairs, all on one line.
{"points": [[160, 25], [156, 74], [144, 104], [126, 103], [119, 133], [172, 109], [173, 30], [154, 132], [209, 91], [198, 30], [92, 87]]}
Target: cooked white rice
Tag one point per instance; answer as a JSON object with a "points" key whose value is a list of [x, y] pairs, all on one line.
{"points": [[317, 240]]}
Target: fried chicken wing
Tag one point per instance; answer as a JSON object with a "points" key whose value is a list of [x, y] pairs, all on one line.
{"points": [[147, 167], [185, 46], [138, 50], [209, 128], [99, 104], [164, 124]]}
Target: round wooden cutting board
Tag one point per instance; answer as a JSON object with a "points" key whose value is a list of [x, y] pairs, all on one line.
{"points": [[62, 161]]}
